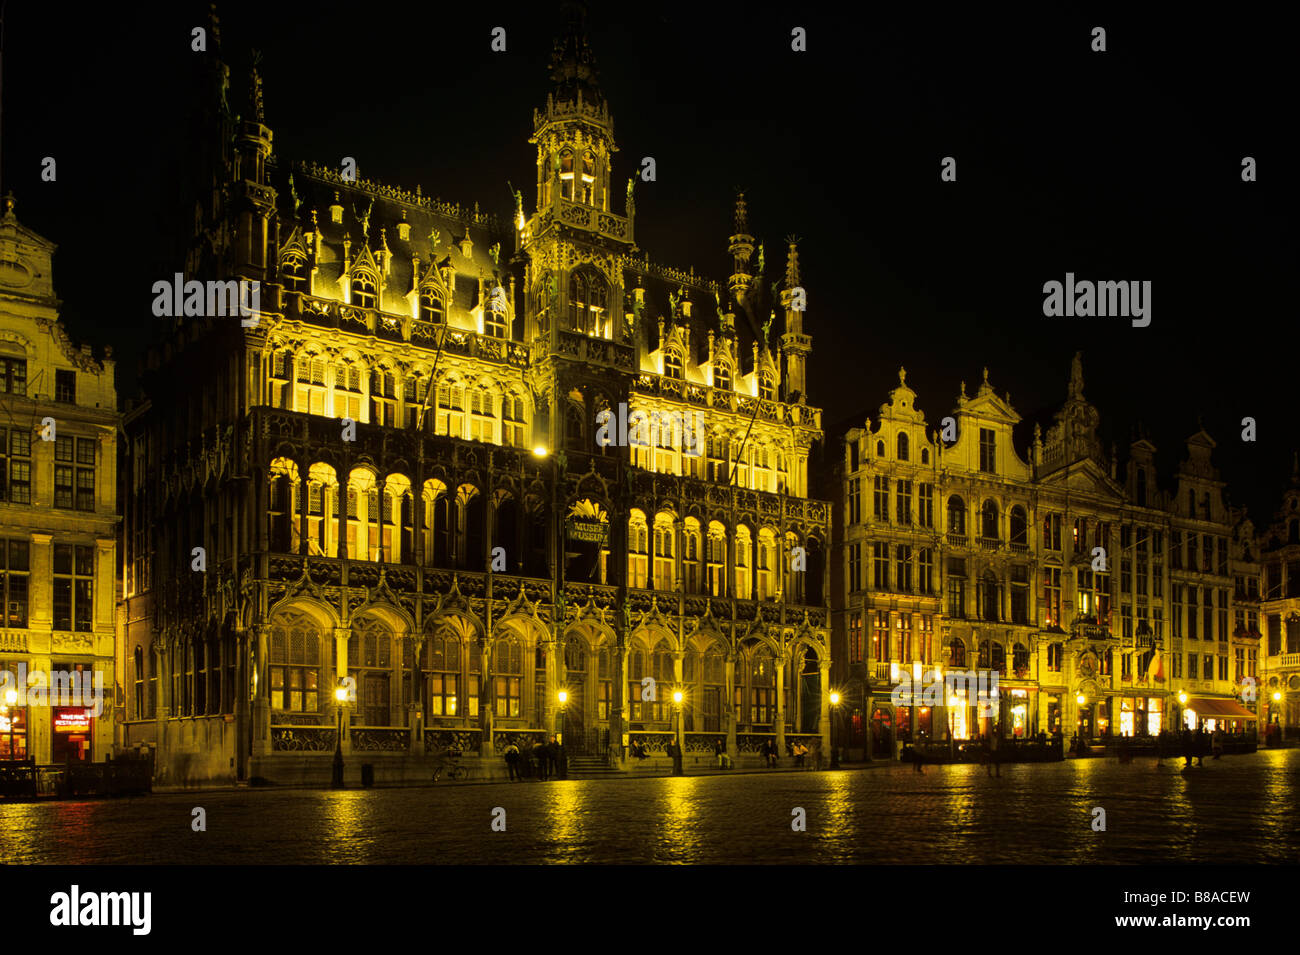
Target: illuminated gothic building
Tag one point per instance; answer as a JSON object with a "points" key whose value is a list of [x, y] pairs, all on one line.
{"points": [[1098, 601], [58, 524], [1279, 605], [402, 476]]}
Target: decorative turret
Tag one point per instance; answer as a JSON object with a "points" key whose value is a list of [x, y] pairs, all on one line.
{"points": [[795, 345], [741, 247], [574, 135]]}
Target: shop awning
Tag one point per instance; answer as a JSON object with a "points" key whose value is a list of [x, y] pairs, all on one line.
{"points": [[1226, 709]]}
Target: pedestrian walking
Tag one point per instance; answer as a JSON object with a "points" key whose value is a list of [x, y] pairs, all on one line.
{"points": [[917, 759], [542, 758], [553, 758], [512, 761], [1202, 745]]}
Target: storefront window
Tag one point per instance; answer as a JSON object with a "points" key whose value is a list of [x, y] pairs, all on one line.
{"points": [[13, 732], [1154, 715]]}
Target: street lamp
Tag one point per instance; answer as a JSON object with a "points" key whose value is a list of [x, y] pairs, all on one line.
{"points": [[11, 700], [677, 751], [563, 698], [835, 711], [1182, 705], [341, 696]]}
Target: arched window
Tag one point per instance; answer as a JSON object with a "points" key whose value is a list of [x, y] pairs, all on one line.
{"points": [[637, 550], [673, 364], [441, 670], [989, 521], [989, 594], [347, 390], [293, 272], [295, 663], [744, 572], [482, 415], [956, 516], [766, 387], [1019, 526], [566, 175], [309, 376], [880, 449], [691, 546], [902, 446], [383, 397], [956, 653], [665, 578], [994, 656], [925, 455], [370, 660], [721, 378], [587, 297], [508, 674], [137, 685], [496, 317], [432, 309], [512, 421], [766, 564], [1020, 660], [451, 408], [364, 290], [717, 559]]}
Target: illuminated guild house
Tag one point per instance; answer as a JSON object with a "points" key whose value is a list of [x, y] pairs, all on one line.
{"points": [[58, 504], [476, 550], [965, 556], [1279, 557]]}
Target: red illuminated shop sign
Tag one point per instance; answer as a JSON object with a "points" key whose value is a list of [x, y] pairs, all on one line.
{"points": [[71, 721]]}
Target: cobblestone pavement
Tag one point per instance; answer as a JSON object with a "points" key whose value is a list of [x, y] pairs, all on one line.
{"points": [[1241, 809]]}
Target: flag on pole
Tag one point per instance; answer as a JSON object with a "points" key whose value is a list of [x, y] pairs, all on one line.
{"points": [[1156, 671]]}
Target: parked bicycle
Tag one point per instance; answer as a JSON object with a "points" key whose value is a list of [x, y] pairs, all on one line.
{"points": [[449, 764]]}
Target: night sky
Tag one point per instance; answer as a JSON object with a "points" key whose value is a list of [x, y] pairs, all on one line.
{"points": [[1123, 165]]}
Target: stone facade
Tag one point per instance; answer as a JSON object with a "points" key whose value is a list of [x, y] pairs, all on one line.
{"points": [[1104, 604], [58, 504], [409, 476]]}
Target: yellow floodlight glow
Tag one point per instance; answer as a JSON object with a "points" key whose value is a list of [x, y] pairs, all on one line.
{"points": [[835, 699]]}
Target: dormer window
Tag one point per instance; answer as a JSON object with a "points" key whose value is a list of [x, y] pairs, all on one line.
{"points": [[431, 307], [294, 272], [364, 291], [722, 379], [495, 317], [765, 389], [672, 365]]}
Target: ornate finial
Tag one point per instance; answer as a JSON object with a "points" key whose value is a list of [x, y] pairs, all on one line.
{"points": [[792, 262], [1038, 434], [1076, 376], [767, 327], [434, 237], [962, 393], [294, 193], [986, 374], [494, 251], [255, 87], [742, 214], [9, 203], [902, 375]]}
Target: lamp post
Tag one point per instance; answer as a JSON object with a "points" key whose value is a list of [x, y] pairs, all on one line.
{"points": [[678, 736], [11, 703], [835, 712], [563, 697], [341, 697], [1182, 704], [1277, 708]]}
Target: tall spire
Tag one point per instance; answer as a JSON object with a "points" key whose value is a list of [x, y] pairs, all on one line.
{"points": [[792, 262], [573, 64]]}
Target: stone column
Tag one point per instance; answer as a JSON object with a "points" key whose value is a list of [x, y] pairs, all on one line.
{"points": [[341, 499], [553, 658], [729, 708], [415, 712], [339, 666], [262, 701], [825, 717], [618, 702], [679, 712], [304, 496], [781, 662]]}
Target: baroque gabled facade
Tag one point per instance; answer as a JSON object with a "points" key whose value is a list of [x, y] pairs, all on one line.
{"points": [[1104, 607], [58, 523], [410, 473]]}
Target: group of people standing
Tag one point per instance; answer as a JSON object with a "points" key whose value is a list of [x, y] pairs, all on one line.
{"points": [[546, 759]]}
